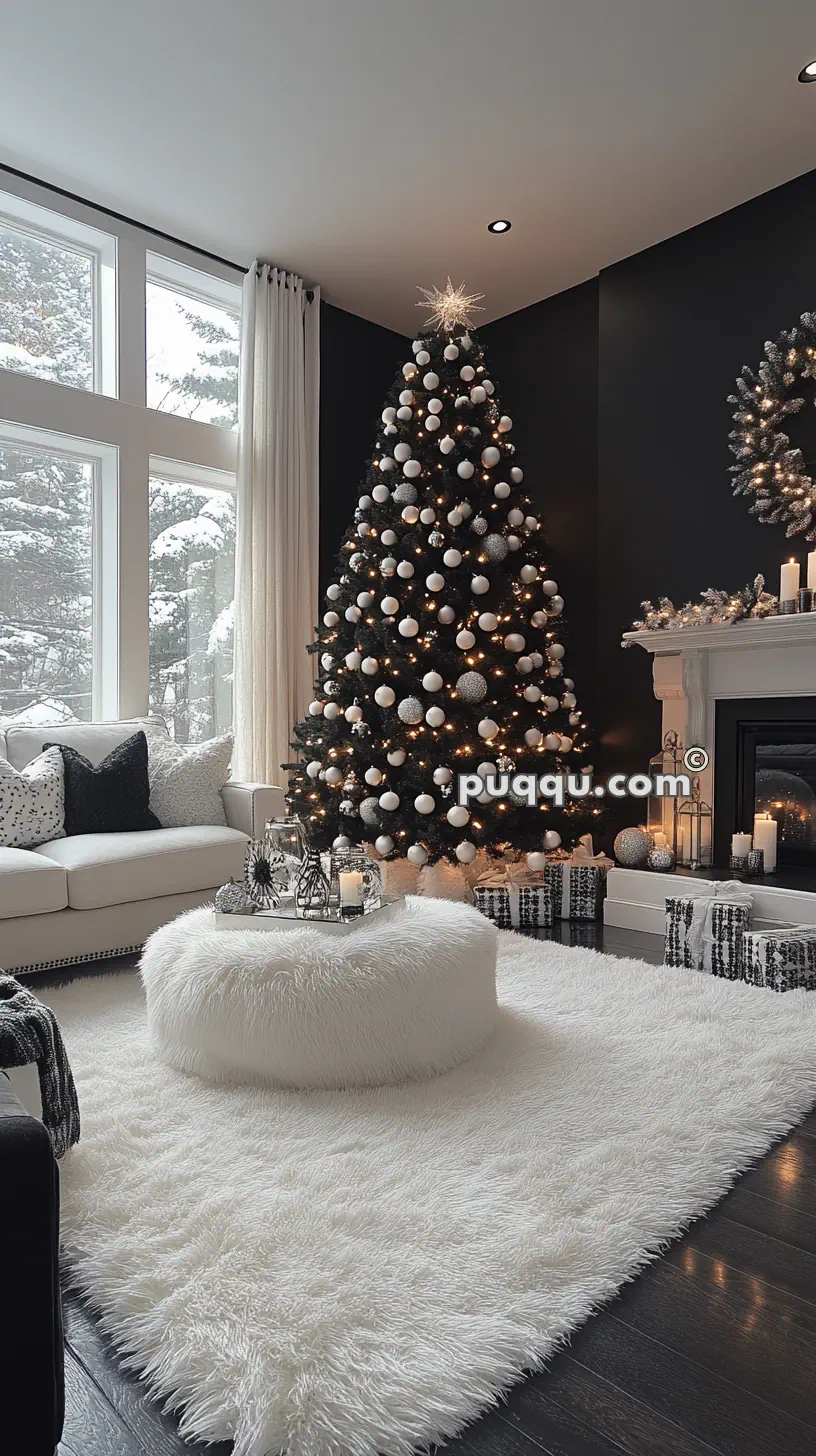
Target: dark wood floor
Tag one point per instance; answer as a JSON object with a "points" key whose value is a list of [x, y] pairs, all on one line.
{"points": [[710, 1352]]}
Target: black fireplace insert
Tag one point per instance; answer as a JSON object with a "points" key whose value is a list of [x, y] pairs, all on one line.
{"points": [[765, 761]]}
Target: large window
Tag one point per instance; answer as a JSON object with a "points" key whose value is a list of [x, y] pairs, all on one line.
{"points": [[192, 578], [118, 416]]}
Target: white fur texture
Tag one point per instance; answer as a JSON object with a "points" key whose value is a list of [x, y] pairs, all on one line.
{"points": [[339, 1274], [407, 993]]}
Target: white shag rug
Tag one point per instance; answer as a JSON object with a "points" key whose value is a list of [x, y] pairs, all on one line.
{"points": [[339, 1274]]}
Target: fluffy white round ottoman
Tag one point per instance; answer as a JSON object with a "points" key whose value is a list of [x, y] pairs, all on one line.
{"points": [[407, 993]]}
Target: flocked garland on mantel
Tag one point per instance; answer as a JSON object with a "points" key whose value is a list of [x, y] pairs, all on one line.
{"points": [[768, 468], [713, 607]]}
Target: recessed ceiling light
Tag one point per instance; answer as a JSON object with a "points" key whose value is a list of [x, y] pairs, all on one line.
{"points": [[808, 72], [501, 225]]}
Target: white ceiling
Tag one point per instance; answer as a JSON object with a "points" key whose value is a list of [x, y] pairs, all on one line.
{"points": [[367, 143]]}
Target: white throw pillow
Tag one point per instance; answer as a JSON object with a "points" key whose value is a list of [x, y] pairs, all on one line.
{"points": [[186, 780], [32, 801]]}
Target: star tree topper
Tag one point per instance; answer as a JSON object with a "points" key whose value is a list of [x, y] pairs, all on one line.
{"points": [[451, 306]]}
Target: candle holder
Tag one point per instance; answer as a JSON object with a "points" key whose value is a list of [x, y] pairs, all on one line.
{"points": [[738, 864], [311, 888], [788, 607], [353, 861], [806, 599], [756, 862]]}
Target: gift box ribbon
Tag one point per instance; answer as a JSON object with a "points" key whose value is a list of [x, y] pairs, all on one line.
{"points": [[699, 937]]}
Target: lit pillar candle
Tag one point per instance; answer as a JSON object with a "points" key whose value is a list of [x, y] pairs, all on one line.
{"points": [[351, 888], [765, 839], [811, 581], [789, 583], [740, 844]]}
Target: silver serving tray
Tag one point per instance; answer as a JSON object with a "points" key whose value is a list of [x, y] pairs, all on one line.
{"points": [[284, 918]]}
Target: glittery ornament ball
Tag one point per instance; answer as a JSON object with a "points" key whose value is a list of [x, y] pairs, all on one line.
{"points": [[632, 848], [405, 493], [660, 858], [471, 687], [436, 539], [478, 525], [410, 710], [370, 811], [495, 547], [232, 899]]}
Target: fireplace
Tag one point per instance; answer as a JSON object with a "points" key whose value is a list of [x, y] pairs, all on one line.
{"points": [[765, 761]]}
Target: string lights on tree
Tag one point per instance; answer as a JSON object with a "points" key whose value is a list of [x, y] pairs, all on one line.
{"points": [[440, 648]]}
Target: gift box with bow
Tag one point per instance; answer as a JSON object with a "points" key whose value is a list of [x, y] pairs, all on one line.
{"points": [[514, 898], [782, 960], [705, 929], [578, 883]]}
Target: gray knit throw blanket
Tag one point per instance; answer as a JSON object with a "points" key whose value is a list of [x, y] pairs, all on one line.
{"points": [[29, 1033]]}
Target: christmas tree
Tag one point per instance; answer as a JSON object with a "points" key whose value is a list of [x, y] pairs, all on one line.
{"points": [[440, 648]]}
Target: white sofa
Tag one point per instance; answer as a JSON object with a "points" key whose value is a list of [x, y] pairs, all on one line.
{"points": [[96, 895]]}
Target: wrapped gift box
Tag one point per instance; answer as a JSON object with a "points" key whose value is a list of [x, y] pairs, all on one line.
{"points": [[577, 889], [782, 960], [704, 931], [514, 901]]}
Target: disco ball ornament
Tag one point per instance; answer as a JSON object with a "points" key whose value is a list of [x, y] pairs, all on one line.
{"points": [[370, 811], [405, 493], [660, 858], [436, 538], [495, 547], [632, 848], [410, 710], [478, 525], [232, 899], [471, 687]]}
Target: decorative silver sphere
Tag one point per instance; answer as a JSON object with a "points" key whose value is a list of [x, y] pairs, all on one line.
{"points": [[410, 710], [495, 547], [632, 847], [405, 493], [478, 525], [471, 687], [660, 858], [436, 539], [232, 899], [370, 811]]}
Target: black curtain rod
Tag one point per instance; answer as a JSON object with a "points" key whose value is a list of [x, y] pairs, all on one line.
{"points": [[121, 217]]}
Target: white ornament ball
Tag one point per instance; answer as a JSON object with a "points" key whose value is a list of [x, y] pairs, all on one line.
{"points": [[427, 515], [402, 452], [334, 590], [432, 422], [530, 523], [465, 639], [553, 742], [517, 476], [488, 622], [334, 775], [486, 770], [417, 345], [446, 615], [515, 517], [488, 729], [435, 581], [467, 372], [451, 352], [552, 839], [389, 605], [409, 370], [446, 444], [556, 605], [388, 566], [405, 570], [556, 650], [501, 490], [432, 682], [396, 757], [410, 515], [373, 775], [365, 599], [406, 397], [513, 543], [465, 852], [389, 415], [524, 664], [458, 816], [532, 693], [490, 456], [566, 743], [424, 804], [442, 775], [383, 844], [452, 557], [411, 469], [536, 659], [331, 619], [389, 537], [357, 561], [410, 710], [417, 854], [505, 424], [316, 708], [388, 463], [327, 661], [331, 710], [370, 666], [365, 502], [489, 386], [313, 768], [454, 518], [514, 642], [569, 700], [533, 737], [435, 406], [479, 585], [465, 469], [431, 380], [404, 413], [538, 619], [536, 860], [392, 429], [389, 800], [353, 713], [422, 357], [435, 717], [528, 573], [353, 614], [478, 394], [408, 627], [575, 719], [461, 402], [465, 509], [384, 696], [551, 704], [341, 841]]}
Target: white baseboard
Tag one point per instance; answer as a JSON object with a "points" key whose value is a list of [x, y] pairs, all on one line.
{"points": [[636, 900]]}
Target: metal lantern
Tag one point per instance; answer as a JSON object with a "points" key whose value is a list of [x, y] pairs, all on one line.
{"points": [[285, 837], [694, 831], [355, 862], [312, 887], [662, 812]]}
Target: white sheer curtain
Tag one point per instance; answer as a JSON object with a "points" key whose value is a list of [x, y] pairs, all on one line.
{"points": [[276, 551]]}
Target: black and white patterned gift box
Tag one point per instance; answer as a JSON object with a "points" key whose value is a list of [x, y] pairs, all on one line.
{"points": [[577, 889], [514, 907], [704, 932], [782, 960]]}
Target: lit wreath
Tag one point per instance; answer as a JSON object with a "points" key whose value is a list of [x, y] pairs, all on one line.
{"points": [[767, 468]]}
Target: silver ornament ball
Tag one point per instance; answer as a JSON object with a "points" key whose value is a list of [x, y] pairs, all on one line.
{"points": [[631, 847]]}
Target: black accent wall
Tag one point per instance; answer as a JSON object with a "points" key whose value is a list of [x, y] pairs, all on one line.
{"points": [[358, 361]]}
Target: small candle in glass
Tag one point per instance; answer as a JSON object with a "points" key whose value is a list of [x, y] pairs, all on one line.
{"points": [[351, 893], [789, 581]]}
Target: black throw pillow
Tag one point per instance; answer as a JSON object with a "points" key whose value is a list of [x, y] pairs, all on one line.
{"points": [[111, 798]]}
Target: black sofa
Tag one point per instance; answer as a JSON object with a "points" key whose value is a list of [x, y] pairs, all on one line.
{"points": [[32, 1383]]}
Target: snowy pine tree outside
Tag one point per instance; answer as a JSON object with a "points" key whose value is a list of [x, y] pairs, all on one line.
{"points": [[440, 650], [46, 506]]}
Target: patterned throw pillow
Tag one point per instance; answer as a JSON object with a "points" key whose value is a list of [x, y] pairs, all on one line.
{"points": [[186, 780], [111, 798], [32, 801]]}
